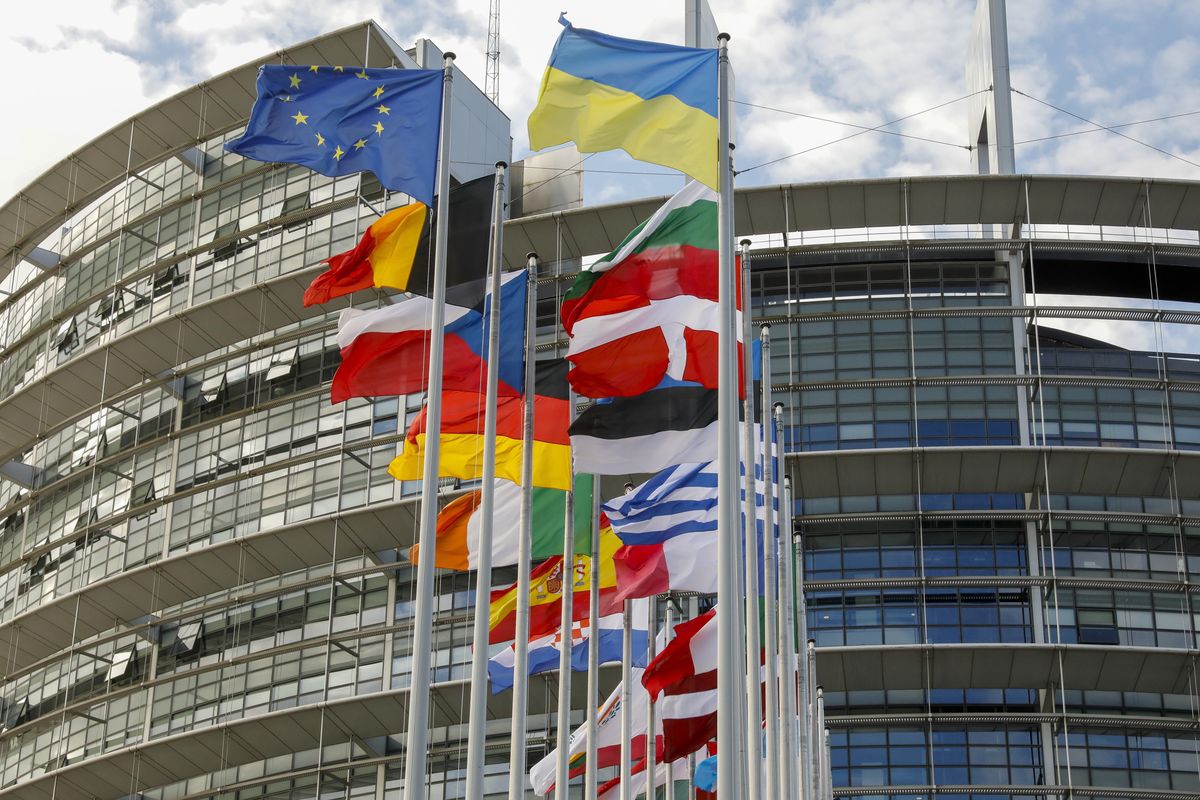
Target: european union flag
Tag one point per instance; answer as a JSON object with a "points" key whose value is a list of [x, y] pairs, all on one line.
{"points": [[339, 120]]}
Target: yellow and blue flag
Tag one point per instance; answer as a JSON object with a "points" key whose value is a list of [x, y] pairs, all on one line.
{"points": [[657, 102], [343, 120]]}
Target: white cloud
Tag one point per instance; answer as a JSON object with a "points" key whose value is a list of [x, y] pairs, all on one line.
{"points": [[87, 64]]}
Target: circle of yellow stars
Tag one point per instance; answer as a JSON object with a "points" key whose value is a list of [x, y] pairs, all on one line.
{"points": [[301, 118]]}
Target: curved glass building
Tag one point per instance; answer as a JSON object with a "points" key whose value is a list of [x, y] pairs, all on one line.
{"points": [[202, 589], [997, 514]]}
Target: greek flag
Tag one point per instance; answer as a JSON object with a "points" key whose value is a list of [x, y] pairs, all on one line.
{"points": [[669, 528]]}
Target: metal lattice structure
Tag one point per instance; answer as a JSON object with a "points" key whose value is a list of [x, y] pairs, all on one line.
{"points": [[491, 81]]}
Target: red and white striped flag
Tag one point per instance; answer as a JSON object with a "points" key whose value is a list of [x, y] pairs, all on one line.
{"points": [[685, 674]]}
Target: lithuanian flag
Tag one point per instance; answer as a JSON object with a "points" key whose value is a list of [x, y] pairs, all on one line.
{"points": [[546, 586], [459, 522], [462, 435]]}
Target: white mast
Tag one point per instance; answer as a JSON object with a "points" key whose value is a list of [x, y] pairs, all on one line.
{"points": [[418, 693], [477, 721]]}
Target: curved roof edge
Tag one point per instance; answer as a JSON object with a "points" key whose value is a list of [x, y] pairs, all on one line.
{"points": [[884, 202], [166, 128]]}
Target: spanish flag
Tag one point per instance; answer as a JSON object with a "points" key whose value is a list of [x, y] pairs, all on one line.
{"points": [[459, 522], [462, 435], [657, 102], [395, 249], [546, 591]]}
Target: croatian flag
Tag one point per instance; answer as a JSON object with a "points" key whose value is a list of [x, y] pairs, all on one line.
{"points": [[544, 651]]}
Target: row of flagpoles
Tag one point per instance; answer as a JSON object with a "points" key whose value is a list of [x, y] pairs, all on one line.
{"points": [[654, 339]]}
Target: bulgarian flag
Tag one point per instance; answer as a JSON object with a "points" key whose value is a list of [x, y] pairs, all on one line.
{"points": [[459, 522], [546, 590], [648, 310]]}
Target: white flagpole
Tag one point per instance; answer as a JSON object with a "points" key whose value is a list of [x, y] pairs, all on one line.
{"points": [[770, 578], [820, 744], [651, 650], [626, 698], [418, 695], [827, 778], [754, 747], [516, 758], [477, 721], [562, 768], [591, 775], [669, 626], [731, 769], [812, 760], [788, 773]]}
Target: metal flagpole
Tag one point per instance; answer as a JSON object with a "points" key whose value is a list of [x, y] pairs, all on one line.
{"points": [[591, 774], [669, 627], [651, 650], [770, 577], [626, 693], [754, 748], [819, 744], [418, 696], [827, 772], [477, 721], [516, 758], [787, 625], [562, 768], [811, 744], [731, 767], [626, 698]]}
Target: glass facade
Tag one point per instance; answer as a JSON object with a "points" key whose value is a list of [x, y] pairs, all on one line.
{"points": [[213, 556]]}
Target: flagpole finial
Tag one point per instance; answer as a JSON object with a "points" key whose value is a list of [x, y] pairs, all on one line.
{"points": [[723, 38], [501, 165], [778, 407], [532, 255], [449, 56], [743, 242], [766, 329]]}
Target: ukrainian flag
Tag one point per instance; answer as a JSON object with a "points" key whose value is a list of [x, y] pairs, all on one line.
{"points": [[657, 102]]}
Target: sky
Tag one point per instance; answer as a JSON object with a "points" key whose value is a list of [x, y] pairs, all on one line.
{"points": [[78, 67]]}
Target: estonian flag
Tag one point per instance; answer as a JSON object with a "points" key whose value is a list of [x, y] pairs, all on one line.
{"points": [[674, 424]]}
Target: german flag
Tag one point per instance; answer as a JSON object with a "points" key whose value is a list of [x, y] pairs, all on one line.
{"points": [[462, 435]]}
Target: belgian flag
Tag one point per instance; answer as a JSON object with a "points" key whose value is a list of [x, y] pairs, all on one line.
{"points": [[395, 251]]}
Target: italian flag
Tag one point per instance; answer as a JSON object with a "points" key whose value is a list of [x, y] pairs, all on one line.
{"points": [[648, 310]]}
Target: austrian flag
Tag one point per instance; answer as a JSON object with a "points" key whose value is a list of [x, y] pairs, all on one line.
{"points": [[648, 310], [685, 674]]}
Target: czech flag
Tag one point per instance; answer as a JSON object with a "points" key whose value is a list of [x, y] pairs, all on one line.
{"points": [[385, 351]]}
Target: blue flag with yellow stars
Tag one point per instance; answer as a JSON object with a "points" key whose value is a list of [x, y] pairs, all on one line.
{"points": [[342, 120]]}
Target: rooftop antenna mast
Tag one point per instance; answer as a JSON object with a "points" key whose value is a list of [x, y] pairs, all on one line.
{"points": [[491, 81]]}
